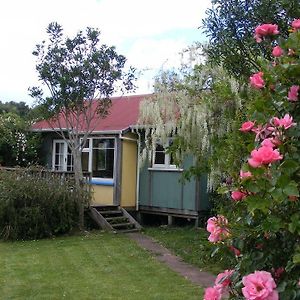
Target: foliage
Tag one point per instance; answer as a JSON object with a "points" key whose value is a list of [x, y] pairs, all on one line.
{"points": [[263, 214], [230, 27], [92, 266], [36, 204], [80, 74], [18, 146], [19, 108]]}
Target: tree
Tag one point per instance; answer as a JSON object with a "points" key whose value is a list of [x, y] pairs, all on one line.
{"points": [[19, 108], [76, 71], [230, 25]]}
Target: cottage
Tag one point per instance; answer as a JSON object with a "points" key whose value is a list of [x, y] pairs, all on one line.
{"points": [[111, 155]]}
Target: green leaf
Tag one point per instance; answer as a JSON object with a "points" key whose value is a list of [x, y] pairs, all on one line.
{"points": [[291, 189], [281, 287], [290, 166], [257, 203], [283, 181], [294, 225], [296, 259], [257, 255], [278, 194], [252, 186], [223, 190], [272, 223]]}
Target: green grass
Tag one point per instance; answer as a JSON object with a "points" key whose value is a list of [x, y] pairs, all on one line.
{"points": [[96, 266], [190, 244]]}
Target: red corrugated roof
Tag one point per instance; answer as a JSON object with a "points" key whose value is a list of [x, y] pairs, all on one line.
{"points": [[123, 113]]}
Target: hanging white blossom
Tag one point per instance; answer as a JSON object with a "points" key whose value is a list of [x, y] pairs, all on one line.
{"points": [[193, 103]]}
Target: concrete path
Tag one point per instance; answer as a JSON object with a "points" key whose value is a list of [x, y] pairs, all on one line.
{"points": [[175, 263]]}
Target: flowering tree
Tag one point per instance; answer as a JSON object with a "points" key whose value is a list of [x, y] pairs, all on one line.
{"points": [[260, 233], [18, 146], [194, 105]]}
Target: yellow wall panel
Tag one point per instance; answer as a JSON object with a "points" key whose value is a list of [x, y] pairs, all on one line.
{"points": [[129, 170], [102, 195]]}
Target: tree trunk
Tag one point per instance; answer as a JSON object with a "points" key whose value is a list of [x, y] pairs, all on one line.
{"points": [[79, 186]]}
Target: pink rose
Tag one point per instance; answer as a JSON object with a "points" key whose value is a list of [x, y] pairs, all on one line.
{"points": [[223, 279], [293, 93], [245, 174], [212, 293], [259, 285], [268, 143], [286, 122], [217, 227], [296, 24], [238, 195], [263, 156], [257, 81], [264, 30], [247, 126], [277, 51]]}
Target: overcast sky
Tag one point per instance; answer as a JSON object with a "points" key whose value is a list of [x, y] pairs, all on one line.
{"points": [[149, 33]]}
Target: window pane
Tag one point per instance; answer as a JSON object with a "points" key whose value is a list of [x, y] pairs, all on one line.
{"points": [[99, 159], [159, 158], [103, 158], [86, 144], [103, 143], [59, 159], [159, 147], [159, 155], [103, 163], [70, 160], [85, 161]]}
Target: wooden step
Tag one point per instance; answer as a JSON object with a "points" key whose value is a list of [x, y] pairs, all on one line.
{"points": [[116, 218], [105, 207], [122, 225], [111, 212]]}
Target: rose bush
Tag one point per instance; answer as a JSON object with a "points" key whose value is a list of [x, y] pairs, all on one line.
{"points": [[260, 231]]}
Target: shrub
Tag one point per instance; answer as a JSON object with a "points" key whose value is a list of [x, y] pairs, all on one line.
{"points": [[36, 204], [260, 231]]}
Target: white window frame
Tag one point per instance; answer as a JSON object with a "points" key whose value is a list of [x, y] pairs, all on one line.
{"points": [[166, 164], [64, 163], [90, 162]]}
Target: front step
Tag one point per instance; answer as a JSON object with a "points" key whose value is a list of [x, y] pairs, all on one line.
{"points": [[114, 218]]}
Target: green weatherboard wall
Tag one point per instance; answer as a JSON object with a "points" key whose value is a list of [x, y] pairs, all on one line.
{"points": [[166, 189]]}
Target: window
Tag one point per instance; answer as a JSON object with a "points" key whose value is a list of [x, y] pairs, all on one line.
{"points": [[62, 156], [103, 158], [161, 159], [98, 157]]}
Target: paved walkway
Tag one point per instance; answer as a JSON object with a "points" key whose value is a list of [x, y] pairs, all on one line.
{"points": [[175, 263]]}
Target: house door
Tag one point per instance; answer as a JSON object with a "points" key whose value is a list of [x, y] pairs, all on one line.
{"points": [[62, 159]]}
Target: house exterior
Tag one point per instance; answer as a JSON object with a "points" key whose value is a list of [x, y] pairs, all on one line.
{"points": [[117, 176]]}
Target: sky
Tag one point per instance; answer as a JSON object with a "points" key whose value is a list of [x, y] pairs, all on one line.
{"points": [[149, 33]]}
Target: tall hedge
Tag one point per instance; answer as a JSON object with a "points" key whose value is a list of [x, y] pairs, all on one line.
{"points": [[36, 204]]}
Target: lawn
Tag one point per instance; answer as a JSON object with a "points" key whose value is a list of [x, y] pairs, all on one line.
{"points": [[190, 244], [95, 266]]}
